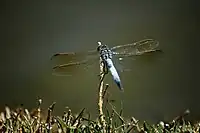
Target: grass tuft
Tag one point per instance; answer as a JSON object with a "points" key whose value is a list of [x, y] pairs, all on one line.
{"points": [[23, 121]]}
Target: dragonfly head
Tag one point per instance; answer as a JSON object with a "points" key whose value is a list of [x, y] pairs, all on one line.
{"points": [[99, 43], [100, 46]]}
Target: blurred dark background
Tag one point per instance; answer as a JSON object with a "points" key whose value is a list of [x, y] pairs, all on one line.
{"points": [[159, 86]]}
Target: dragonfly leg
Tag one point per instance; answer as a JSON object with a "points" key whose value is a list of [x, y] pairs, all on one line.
{"points": [[105, 68]]}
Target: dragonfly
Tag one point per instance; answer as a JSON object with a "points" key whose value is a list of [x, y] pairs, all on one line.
{"points": [[106, 55]]}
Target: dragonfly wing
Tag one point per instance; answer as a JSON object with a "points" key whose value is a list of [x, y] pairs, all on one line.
{"points": [[73, 56], [67, 69], [67, 63], [136, 48], [134, 51]]}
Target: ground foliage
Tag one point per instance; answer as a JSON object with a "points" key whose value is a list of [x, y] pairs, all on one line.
{"points": [[23, 121]]}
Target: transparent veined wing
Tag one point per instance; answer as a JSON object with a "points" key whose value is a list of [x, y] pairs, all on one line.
{"points": [[134, 51], [136, 48], [67, 63]]}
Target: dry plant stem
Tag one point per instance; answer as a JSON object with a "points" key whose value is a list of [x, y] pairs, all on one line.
{"points": [[39, 111], [39, 116], [48, 121], [100, 101]]}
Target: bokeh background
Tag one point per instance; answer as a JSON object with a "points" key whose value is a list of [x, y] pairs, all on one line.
{"points": [[158, 86]]}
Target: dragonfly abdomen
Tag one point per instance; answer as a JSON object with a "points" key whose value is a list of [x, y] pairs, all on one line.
{"points": [[114, 73]]}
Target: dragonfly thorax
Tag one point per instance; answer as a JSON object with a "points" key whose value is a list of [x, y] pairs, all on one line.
{"points": [[104, 51]]}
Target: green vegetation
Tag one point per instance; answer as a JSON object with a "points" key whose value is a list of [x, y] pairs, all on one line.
{"points": [[21, 121]]}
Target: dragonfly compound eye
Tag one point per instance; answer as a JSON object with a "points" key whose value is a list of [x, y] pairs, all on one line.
{"points": [[99, 46]]}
